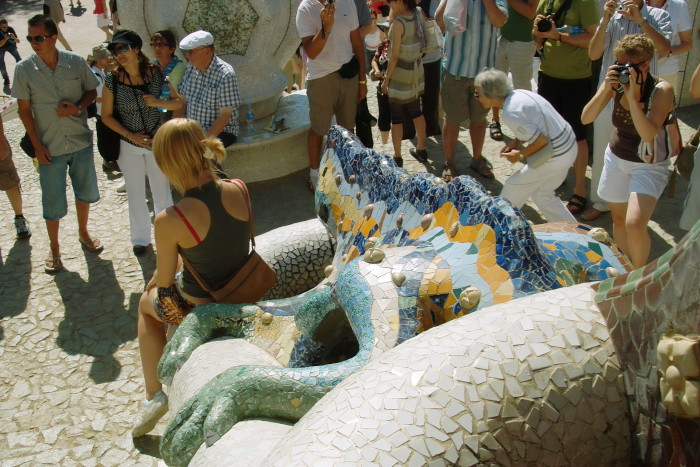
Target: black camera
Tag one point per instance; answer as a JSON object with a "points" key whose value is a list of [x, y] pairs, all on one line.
{"points": [[624, 72], [544, 24]]}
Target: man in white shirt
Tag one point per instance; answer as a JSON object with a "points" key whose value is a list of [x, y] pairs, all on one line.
{"points": [[336, 78]]}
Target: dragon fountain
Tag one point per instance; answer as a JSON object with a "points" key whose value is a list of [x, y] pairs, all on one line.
{"points": [[412, 252]]}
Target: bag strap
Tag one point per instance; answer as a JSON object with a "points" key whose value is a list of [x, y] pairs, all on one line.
{"points": [[561, 12], [241, 186], [188, 225]]}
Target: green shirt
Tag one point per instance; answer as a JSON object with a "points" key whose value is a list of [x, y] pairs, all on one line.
{"points": [[564, 61], [518, 27]]}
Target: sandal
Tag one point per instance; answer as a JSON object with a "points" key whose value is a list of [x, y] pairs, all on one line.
{"points": [[483, 167], [398, 161], [92, 244], [576, 204], [53, 264], [449, 172], [495, 131], [421, 155]]}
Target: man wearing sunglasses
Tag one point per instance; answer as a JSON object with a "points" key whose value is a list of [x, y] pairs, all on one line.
{"points": [[53, 87]]}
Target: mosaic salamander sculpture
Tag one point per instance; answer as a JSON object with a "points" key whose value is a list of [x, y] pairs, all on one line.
{"points": [[412, 252]]}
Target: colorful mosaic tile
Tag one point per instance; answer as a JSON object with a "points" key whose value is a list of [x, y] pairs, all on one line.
{"points": [[412, 253]]}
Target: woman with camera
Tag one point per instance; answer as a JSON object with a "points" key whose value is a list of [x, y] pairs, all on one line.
{"points": [[534, 122], [209, 226], [129, 108], [635, 170]]}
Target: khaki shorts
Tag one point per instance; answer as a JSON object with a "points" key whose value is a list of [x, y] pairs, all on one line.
{"points": [[458, 100], [332, 95], [8, 174]]}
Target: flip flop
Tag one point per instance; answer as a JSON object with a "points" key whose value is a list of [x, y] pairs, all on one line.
{"points": [[92, 244], [577, 204], [495, 131], [448, 173], [483, 167], [53, 263]]}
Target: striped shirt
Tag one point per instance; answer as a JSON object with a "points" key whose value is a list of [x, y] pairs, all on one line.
{"points": [[529, 115], [619, 26], [468, 53], [209, 91], [45, 88]]}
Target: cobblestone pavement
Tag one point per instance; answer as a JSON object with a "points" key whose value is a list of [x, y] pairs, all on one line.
{"points": [[70, 380]]}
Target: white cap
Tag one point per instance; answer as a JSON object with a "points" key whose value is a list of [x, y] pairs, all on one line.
{"points": [[196, 39]]}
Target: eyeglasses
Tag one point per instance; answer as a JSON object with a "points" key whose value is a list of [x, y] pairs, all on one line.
{"points": [[121, 50], [190, 52], [159, 44], [38, 39]]}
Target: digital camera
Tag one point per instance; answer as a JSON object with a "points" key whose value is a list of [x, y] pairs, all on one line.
{"points": [[544, 25], [624, 71]]}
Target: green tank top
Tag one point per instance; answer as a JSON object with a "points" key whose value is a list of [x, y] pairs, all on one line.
{"points": [[224, 249]]}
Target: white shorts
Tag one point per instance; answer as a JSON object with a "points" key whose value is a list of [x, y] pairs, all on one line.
{"points": [[102, 21], [620, 178]]}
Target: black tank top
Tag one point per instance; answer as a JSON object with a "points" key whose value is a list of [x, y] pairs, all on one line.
{"points": [[224, 248]]}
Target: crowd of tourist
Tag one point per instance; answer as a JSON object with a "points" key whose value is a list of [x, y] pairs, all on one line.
{"points": [[169, 121]]}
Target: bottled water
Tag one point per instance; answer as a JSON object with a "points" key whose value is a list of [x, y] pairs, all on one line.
{"points": [[250, 118], [165, 93]]}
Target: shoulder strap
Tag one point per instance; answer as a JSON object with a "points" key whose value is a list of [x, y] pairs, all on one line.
{"points": [[187, 224], [561, 12], [241, 186]]}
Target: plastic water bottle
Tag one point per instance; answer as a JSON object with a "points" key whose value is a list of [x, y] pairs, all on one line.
{"points": [[570, 29], [576, 30], [164, 94], [250, 118]]}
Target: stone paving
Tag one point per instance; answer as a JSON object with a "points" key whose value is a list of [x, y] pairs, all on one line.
{"points": [[70, 380]]}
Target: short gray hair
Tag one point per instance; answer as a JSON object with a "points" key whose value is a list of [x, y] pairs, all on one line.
{"points": [[493, 83]]}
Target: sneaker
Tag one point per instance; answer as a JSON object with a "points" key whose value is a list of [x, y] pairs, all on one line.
{"points": [[22, 227], [121, 189], [151, 411]]}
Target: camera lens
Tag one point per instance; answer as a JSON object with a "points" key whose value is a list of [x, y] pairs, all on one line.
{"points": [[624, 77], [544, 25]]}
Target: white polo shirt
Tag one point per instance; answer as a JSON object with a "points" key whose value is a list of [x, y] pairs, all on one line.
{"points": [[680, 21], [338, 48]]}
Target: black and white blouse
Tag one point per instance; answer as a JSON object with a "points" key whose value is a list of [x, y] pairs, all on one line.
{"points": [[130, 109]]}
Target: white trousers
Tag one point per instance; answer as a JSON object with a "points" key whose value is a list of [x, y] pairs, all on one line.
{"points": [[539, 184], [137, 163], [602, 129]]}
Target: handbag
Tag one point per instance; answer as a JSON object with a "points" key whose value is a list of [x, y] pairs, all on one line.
{"points": [[350, 69], [26, 144], [685, 161], [428, 32], [455, 16], [251, 281]]}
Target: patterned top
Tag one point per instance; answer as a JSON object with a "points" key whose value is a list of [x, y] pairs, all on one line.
{"points": [[209, 91], [619, 27], [45, 88], [129, 107], [406, 82], [468, 53]]}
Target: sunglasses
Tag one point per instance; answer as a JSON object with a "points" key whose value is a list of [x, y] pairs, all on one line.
{"points": [[159, 44], [38, 39], [121, 50]]}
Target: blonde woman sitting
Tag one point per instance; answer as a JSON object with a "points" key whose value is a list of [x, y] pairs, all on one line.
{"points": [[209, 227]]}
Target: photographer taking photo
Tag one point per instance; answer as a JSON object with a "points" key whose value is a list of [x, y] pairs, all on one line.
{"points": [[8, 43], [635, 168]]}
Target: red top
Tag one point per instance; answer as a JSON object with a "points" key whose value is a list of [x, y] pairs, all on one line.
{"points": [[99, 7]]}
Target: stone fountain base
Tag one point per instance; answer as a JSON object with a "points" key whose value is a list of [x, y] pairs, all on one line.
{"points": [[263, 155]]}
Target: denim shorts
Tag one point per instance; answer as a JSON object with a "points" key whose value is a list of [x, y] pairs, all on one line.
{"points": [[80, 165]]}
